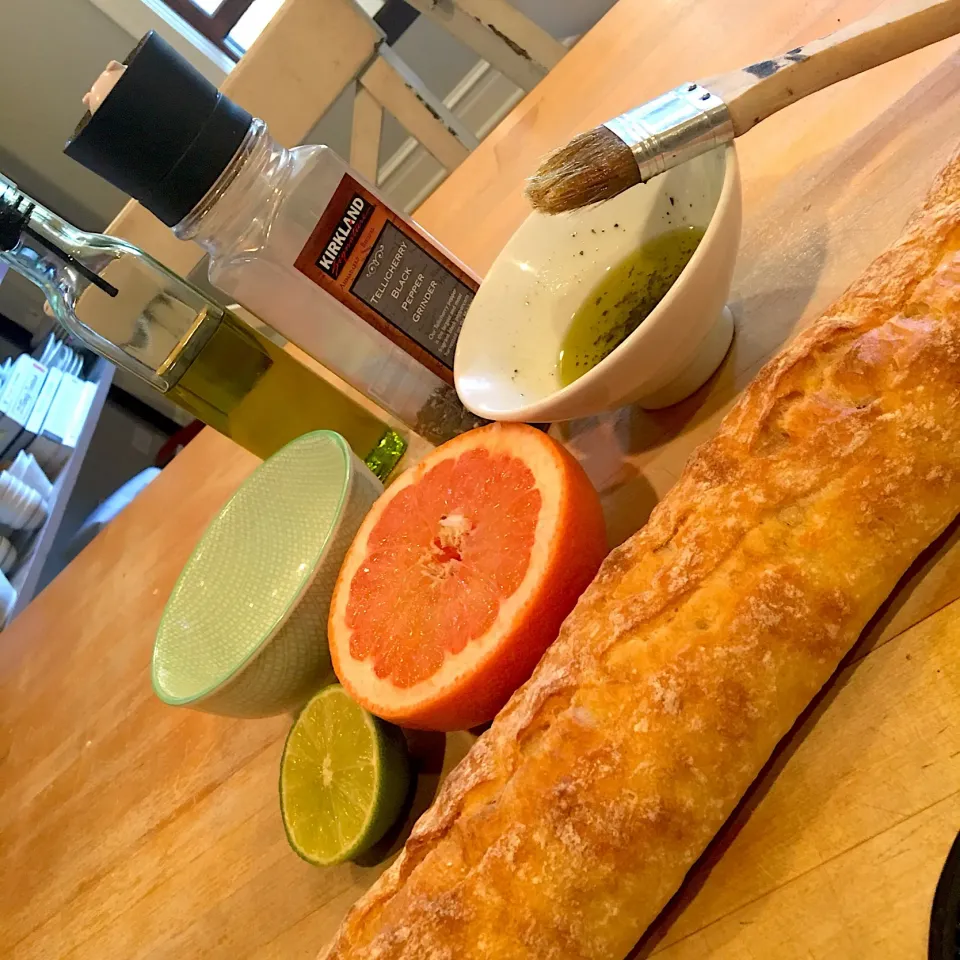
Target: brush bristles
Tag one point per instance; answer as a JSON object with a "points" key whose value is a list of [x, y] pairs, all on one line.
{"points": [[594, 166]]}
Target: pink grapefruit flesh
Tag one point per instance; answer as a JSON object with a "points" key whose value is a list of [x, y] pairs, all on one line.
{"points": [[460, 577]]}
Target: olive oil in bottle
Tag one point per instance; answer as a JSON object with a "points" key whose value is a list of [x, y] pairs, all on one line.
{"points": [[254, 392], [623, 299]]}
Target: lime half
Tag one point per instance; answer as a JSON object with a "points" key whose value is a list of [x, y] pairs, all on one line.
{"points": [[343, 779]]}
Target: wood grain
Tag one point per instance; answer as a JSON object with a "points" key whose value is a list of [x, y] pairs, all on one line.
{"points": [[850, 830], [132, 830]]}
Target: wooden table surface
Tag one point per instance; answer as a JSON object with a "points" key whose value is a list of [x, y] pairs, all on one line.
{"points": [[133, 830]]}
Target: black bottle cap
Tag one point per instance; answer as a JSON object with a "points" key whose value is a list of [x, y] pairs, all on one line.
{"points": [[164, 134]]}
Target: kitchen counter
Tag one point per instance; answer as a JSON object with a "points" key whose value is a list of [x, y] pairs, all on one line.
{"points": [[129, 829]]}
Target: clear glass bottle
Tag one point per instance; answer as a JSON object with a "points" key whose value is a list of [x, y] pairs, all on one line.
{"points": [[129, 308], [293, 235]]}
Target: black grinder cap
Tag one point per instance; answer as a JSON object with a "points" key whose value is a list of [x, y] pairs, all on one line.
{"points": [[163, 135]]}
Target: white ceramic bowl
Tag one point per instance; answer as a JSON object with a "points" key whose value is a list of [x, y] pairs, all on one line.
{"points": [[26, 468], [48, 348], [505, 367], [8, 556], [21, 507]]}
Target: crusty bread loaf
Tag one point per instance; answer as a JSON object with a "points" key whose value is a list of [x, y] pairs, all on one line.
{"points": [[574, 819]]}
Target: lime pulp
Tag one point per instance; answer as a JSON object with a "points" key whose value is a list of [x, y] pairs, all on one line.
{"points": [[344, 777]]}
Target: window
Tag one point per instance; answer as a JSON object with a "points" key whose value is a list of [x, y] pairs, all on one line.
{"points": [[233, 25]]}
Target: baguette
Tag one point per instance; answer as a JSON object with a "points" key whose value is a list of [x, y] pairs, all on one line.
{"points": [[575, 817]]}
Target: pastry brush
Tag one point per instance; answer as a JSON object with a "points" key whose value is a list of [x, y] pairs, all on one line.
{"points": [[698, 116]]}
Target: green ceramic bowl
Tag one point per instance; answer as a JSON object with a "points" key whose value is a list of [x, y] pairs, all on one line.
{"points": [[244, 632]]}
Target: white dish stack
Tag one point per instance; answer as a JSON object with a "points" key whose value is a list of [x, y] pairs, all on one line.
{"points": [[44, 403], [43, 409], [24, 494], [8, 556], [21, 507], [57, 355], [26, 468]]}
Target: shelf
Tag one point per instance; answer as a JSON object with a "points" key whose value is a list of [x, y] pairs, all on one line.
{"points": [[28, 573]]}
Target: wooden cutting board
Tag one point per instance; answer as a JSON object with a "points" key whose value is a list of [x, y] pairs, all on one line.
{"points": [[132, 830], [837, 850]]}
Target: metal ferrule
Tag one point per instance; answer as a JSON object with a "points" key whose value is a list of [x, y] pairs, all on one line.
{"points": [[680, 125]]}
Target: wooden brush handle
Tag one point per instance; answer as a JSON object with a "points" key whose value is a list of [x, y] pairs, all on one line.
{"points": [[754, 93]]}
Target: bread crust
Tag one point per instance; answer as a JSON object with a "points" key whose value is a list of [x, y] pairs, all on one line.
{"points": [[576, 816]]}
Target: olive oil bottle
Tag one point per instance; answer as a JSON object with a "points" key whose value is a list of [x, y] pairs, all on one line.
{"points": [[129, 308]]}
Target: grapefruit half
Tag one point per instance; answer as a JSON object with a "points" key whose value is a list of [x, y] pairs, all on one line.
{"points": [[460, 577]]}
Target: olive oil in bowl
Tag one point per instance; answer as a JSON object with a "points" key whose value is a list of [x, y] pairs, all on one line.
{"points": [[623, 299]]}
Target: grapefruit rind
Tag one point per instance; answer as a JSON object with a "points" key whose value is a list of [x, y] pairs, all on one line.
{"points": [[555, 474]]}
